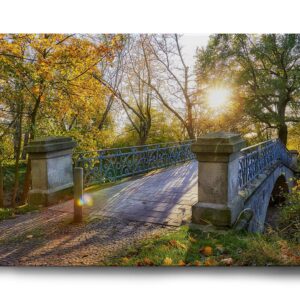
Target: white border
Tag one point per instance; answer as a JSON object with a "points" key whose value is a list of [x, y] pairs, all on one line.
{"points": [[181, 16], [185, 16]]}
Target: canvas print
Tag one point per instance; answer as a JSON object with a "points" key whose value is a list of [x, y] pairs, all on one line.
{"points": [[149, 150]]}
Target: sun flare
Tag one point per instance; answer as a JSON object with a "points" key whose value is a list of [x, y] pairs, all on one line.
{"points": [[218, 98]]}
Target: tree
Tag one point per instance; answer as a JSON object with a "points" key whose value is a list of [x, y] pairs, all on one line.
{"points": [[172, 79], [266, 70], [127, 80], [42, 73]]}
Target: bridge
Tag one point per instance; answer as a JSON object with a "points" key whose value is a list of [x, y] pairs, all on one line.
{"points": [[212, 180]]}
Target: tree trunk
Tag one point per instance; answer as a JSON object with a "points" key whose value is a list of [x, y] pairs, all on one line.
{"points": [[142, 140], [27, 181], [1, 186], [18, 137], [190, 123], [190, 132], [26, 140], [283, 133]]}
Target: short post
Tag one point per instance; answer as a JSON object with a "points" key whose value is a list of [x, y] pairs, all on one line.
{"points": [[218, 157], [78, 194]]}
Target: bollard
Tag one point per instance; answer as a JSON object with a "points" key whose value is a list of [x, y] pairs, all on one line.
{"points": [[78, 194]]}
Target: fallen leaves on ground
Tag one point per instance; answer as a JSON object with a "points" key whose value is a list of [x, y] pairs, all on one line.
{"points": [[168, 261], [197, 263], [207, 251], [148, 262], [177, 244], [210, 262], [192, 239], [125, 260], [181, 263], [227, 261]]}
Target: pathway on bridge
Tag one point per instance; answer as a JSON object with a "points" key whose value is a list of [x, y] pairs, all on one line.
{"points": [[130, 211], [165, 197]]}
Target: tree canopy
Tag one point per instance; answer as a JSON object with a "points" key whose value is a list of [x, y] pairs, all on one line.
{"points": [[265, 69]]}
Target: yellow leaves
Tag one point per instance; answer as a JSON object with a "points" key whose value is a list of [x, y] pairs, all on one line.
{"points": [[210, 262], [145, 262], [181, 263], [177, 244], [197, 263], [192, 239], [125, 260], [148, 262], [167, 261], [207, 251]]}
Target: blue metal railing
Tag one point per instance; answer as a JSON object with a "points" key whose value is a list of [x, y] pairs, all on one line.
{"points": [[109, 165], [255, 159]]}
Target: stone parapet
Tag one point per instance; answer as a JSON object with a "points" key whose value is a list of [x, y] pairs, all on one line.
{"points": [[51, 169], [217, 154]]}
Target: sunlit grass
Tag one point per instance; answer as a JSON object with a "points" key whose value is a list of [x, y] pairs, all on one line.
{"points": [[185, 247]]}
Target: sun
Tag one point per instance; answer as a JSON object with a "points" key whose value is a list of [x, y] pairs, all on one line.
{"points": [[218, 98]]}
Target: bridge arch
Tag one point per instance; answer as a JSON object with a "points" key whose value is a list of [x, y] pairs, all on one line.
{"points": [[267, 193], [280, 190], [235, 184]]}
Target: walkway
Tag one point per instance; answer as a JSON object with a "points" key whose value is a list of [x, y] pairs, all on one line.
{"points": [[121, 216], [164, 197]]}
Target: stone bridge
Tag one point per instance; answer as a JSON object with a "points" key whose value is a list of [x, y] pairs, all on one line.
{"points": [[236, 185], [221, 182]]}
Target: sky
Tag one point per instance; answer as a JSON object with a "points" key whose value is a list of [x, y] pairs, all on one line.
{"points": [[190, 43]]}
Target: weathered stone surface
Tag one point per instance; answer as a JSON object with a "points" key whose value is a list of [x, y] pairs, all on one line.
{"points": [[50, 144], [217, 154], [216, 146], [51, 169], [257, 195], [214, 214], [243, 219], [50, 198]]}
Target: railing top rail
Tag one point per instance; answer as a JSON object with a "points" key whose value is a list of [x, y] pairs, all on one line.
{"points": [[257, 158], [165, 144], [108, 165], [254, 147]]}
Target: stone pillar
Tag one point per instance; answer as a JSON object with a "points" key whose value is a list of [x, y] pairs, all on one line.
{"points": [[51, 169], [218, 201], [294, 163]]}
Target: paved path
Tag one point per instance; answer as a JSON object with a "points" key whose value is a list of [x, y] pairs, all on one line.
{"points": [[121, 216], [50, 239], [164, 197]]}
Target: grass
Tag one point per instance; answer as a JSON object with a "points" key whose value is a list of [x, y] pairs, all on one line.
{"points": [[7, 213], [290, 215], [186, 247]]}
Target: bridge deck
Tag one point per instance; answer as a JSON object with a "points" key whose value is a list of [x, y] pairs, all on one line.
{"points": [[165, 197]]}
